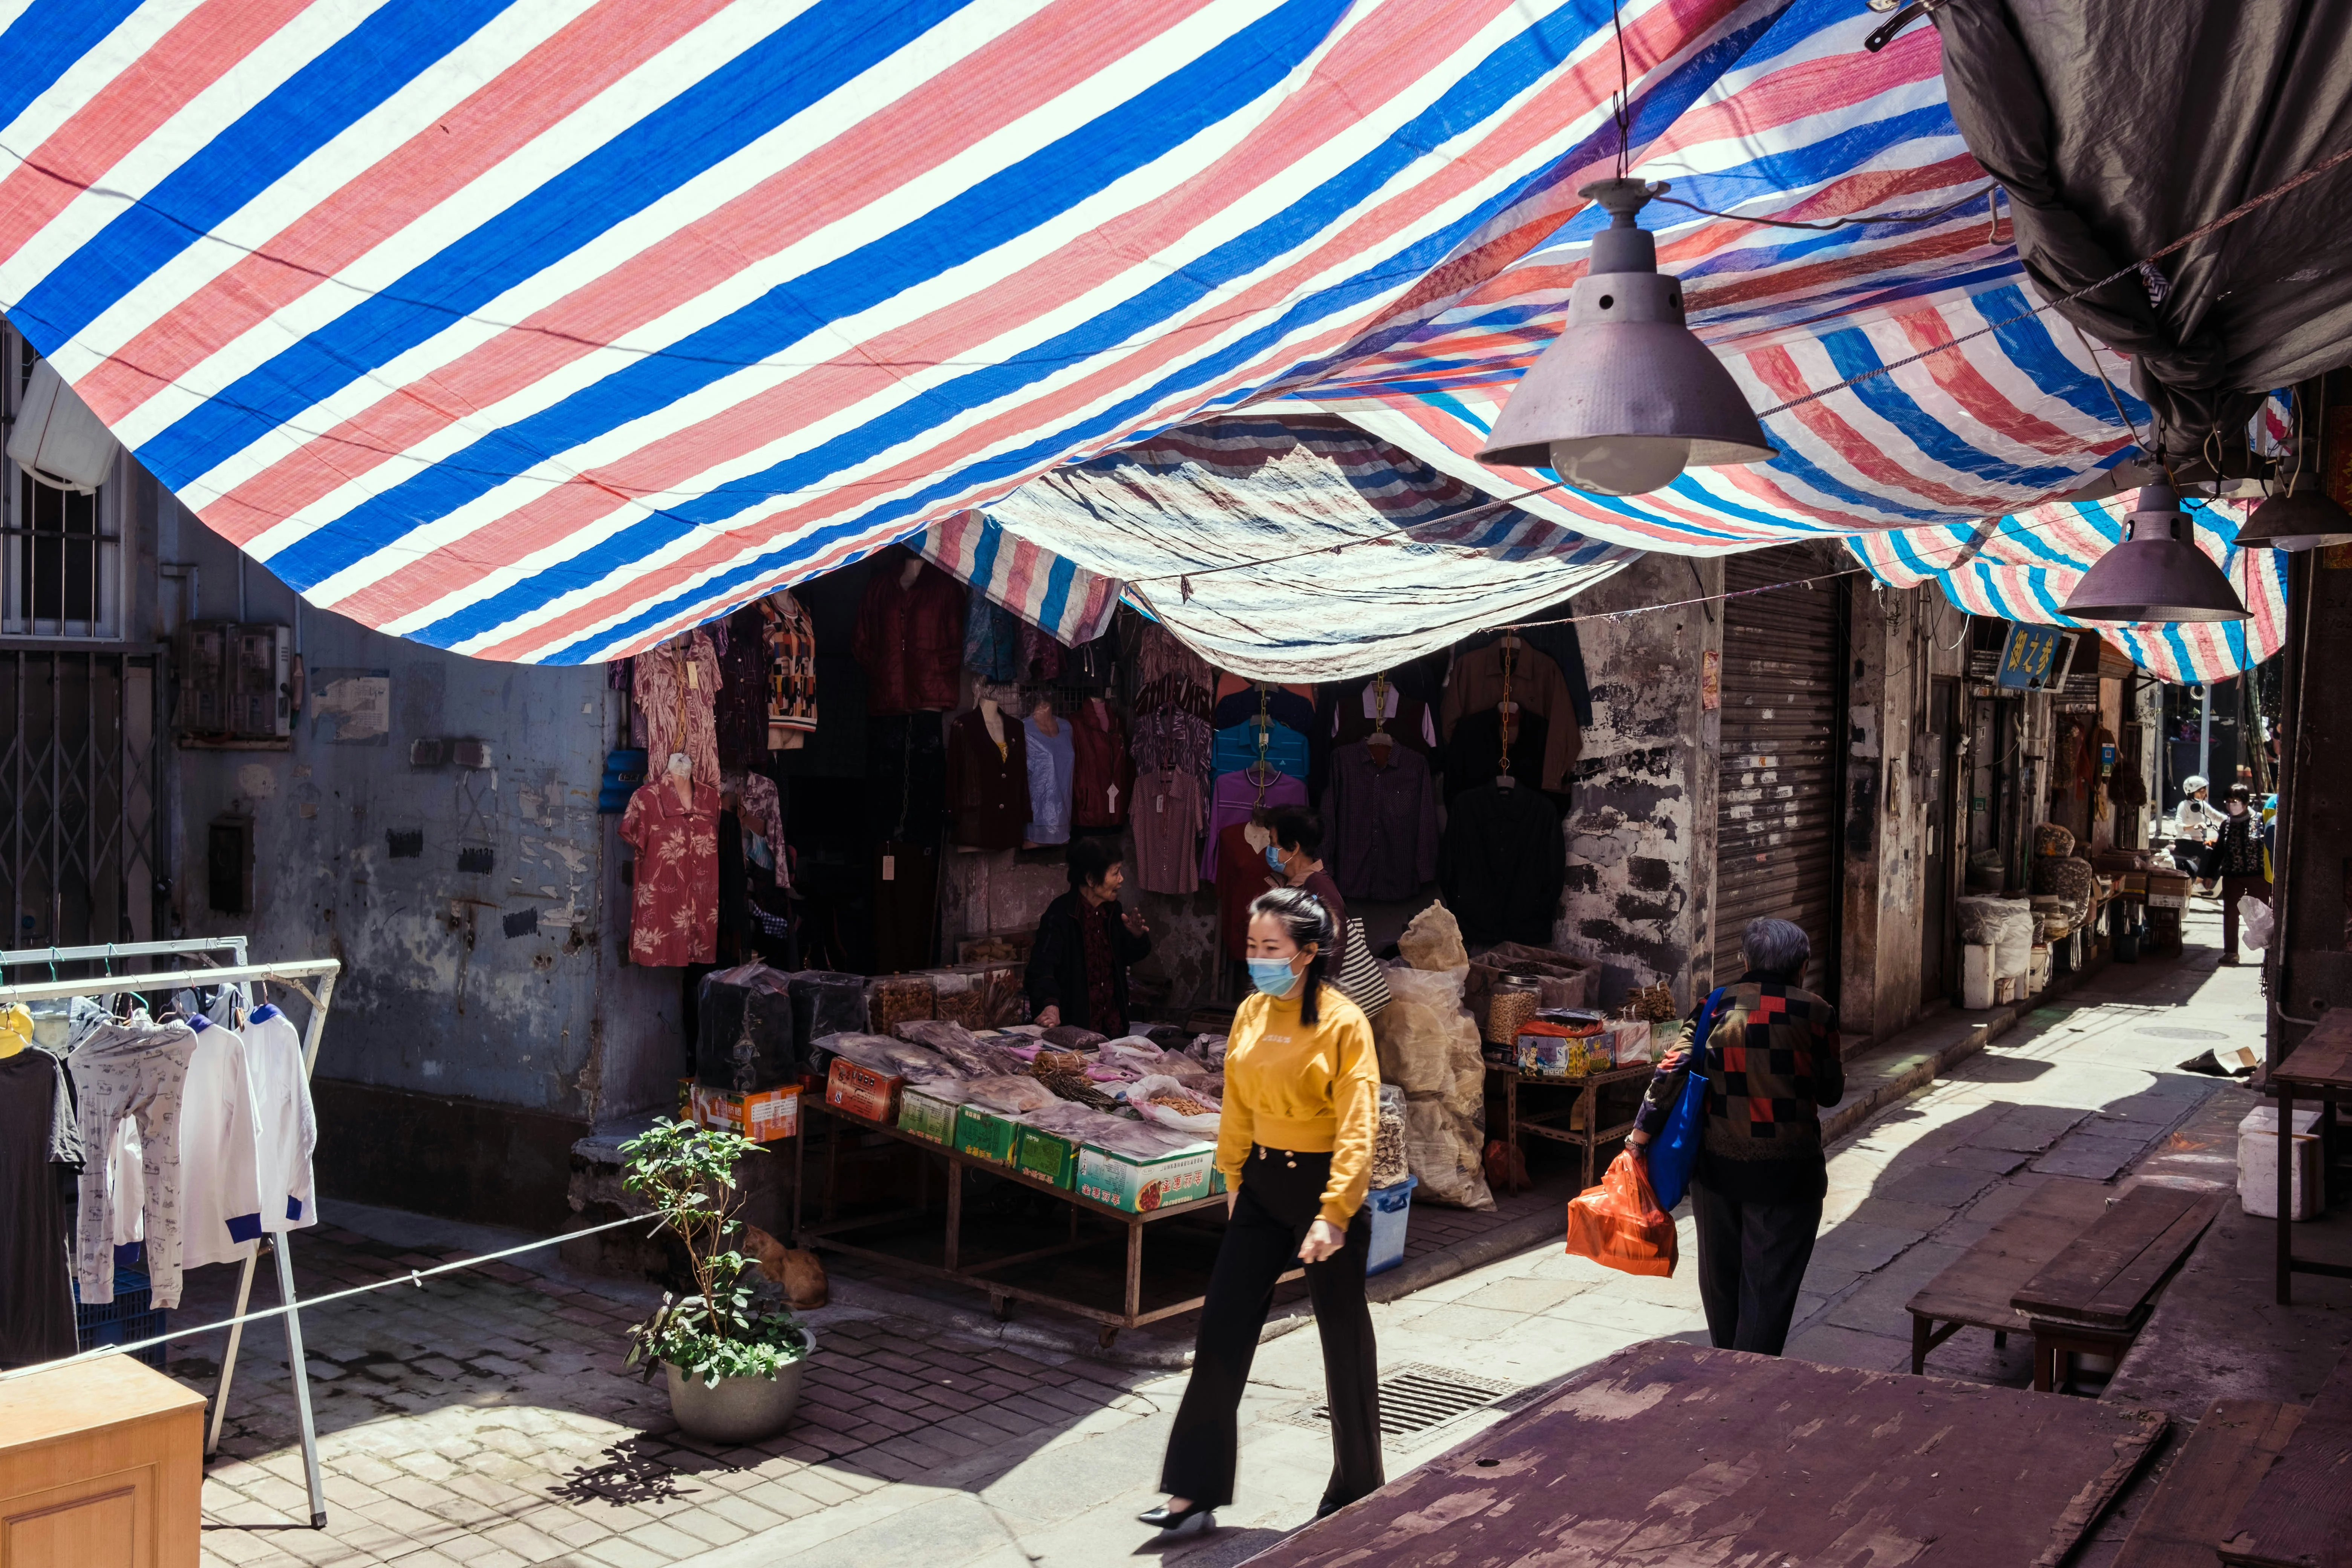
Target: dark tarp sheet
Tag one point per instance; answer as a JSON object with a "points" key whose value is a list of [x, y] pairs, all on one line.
{"points": [[2118, 128]]}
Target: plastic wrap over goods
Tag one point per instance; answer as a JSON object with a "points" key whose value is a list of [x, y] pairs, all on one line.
{"points": [[2005, 925], [1429, 1047]]}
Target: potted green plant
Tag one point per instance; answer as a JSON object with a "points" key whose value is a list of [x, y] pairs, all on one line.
{"points": [[733, 1351]]}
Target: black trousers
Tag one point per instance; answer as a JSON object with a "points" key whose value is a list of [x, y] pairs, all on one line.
{"points": [[1279, 1198], [1752, 1260]]}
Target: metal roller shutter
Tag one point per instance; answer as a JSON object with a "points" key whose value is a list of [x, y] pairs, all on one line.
{"points": [[1776, 802]]}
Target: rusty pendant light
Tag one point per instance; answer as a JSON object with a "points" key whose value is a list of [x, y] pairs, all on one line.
{"points": [[1626, 397], [2300, 516], [2156, 573]]}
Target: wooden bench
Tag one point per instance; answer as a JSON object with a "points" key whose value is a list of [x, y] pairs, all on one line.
{"points": [[2208, 1483], [2094, 1297], [1978, 1289], [2319, 1069], [2299, 1514]]}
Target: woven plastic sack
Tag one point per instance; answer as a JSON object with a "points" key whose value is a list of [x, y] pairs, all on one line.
{"points": [[2049, 838], [1429, 1047], [1432, 941], [1619, 1224]]}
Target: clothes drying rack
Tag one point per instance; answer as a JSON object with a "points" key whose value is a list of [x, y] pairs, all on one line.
{"points": [[314, 981]]}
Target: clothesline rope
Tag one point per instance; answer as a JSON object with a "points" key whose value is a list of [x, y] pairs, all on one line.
{"points": [[415, 1277]]}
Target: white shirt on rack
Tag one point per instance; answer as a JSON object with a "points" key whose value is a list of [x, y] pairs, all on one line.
{"points": [[220, 1195], [289, 1128]]}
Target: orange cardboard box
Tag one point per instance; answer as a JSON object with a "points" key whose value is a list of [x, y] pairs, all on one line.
{"points": [[764, 1115], [862, 1092]]}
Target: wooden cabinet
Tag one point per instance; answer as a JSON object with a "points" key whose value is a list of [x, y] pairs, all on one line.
{"points": [[101, 1466]]}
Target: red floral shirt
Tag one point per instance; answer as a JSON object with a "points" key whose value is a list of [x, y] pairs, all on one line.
{"points": [[674, 916]]}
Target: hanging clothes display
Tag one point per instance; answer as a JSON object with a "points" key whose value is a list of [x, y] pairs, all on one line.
{"points": [[1559, 640], [1535, 683], [1169, 816], [675, 686], [1242, 746], [1234, 797], [1382, 812], [1053, 768], [1283, 704], [674, 905], [762, 814], [1041, 656], [992, 639], [988, 782], [1102, 791], [790, 639], [741, 707], [131, 1070], [220, 1149], [909, 636], [40, 1145], [1171, 704], [287, 1125], [1408, 719], [1505, 861]]}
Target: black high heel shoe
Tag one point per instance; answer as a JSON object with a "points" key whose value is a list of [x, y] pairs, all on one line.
{"points": [[1197, 1519]]}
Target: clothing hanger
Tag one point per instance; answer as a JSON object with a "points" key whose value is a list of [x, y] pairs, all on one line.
{"points": [[1262, 773], [1379, 742], [1505, 779]]}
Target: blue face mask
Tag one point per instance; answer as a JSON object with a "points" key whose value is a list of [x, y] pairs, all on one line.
{"points": [[1272, 975], [1274, 858]]}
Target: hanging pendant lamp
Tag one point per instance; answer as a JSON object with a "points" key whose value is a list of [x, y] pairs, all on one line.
{"points": [[2300, 517], [2156, 574], [1626, 397]]}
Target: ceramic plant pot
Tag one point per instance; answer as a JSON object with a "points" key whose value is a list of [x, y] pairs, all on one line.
{"points": [[737, 1409]]}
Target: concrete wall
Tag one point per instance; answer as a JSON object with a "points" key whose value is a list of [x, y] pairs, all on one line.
{"points": [[1641, 837], [477, 1007]]}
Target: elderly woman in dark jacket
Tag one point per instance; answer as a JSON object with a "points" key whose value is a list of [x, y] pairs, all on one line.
{"points": [[1077, 967]]}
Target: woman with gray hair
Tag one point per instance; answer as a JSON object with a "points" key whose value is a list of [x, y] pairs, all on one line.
{"points": [[1769, 1051]]}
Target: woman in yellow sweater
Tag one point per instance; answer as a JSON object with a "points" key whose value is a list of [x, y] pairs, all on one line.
{"points": [[1302, 1102]]}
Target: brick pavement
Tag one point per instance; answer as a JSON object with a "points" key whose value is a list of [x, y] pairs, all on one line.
{"points": [[486, 1418]]}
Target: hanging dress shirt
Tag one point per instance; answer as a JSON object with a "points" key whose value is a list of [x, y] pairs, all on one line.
{"points": [[674, 906], [283, 1116], [220, 1150], [1053, 766]]}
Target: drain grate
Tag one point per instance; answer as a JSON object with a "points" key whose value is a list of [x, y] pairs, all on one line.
{"points": [[2175, 1034], [1418, 1398]]}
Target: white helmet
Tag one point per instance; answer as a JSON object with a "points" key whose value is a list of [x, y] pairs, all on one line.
{"points": [[2195, 783]]}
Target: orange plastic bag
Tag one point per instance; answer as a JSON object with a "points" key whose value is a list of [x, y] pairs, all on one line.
{"points": [[1619, 1224]]}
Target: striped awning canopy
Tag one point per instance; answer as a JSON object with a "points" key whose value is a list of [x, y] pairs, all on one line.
{"points": [[540, 329]]}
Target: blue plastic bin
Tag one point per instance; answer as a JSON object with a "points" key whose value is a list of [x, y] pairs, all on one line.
{"points": [[130, 1316], [1390, 1207]]}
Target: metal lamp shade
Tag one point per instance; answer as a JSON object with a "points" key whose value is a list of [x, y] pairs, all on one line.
{"points": [[1626, 397], [2154, 574], [2302, 519]]}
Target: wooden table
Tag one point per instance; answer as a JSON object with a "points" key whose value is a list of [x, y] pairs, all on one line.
{"points": [[1551, 1123], [1979, 1288], [2300, 1515], [2320, 1068], [101, 1464], [2094, 1296], [1671, 1454], [829, 1232], [2235, 1442]]}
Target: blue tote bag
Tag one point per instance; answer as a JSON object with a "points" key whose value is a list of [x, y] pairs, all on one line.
{"points": [[1675, 1150]]}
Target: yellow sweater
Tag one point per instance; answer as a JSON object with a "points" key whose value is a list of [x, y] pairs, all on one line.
{"points": [[1309, 1088]]}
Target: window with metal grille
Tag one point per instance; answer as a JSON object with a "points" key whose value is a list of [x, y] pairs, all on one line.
{"points": [[60, 551]]}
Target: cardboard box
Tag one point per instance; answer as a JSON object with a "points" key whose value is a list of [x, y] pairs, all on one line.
{"points": [[686, 1100], [1139, 1185], [764, 1115], [862, 1092], [926, 1116], [1046, 1156], [985, 1135]]}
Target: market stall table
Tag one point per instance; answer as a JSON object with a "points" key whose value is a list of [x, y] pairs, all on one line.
{"points": [[830, 1233], [1979, 1288], [2092, 1298], [1551, 1123], [2320, 1068], [1670, 1453]]}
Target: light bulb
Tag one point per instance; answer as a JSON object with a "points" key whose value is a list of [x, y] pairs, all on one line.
{"points": [[1621, 464]]}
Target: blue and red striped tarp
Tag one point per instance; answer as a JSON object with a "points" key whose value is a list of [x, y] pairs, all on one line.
{"points": [[540, 329]]}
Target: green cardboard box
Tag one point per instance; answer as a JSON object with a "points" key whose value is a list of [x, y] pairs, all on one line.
{"points": [[926, 1116], [985, 1135], [1046, 1156], [1139, 1185]]}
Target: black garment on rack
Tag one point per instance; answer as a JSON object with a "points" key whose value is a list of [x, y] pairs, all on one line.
{"points": [[40, 1152], [1503, 864], [906, 778]]}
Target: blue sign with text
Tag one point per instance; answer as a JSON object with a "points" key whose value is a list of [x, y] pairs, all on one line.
{"points": [[2028, 657]]}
